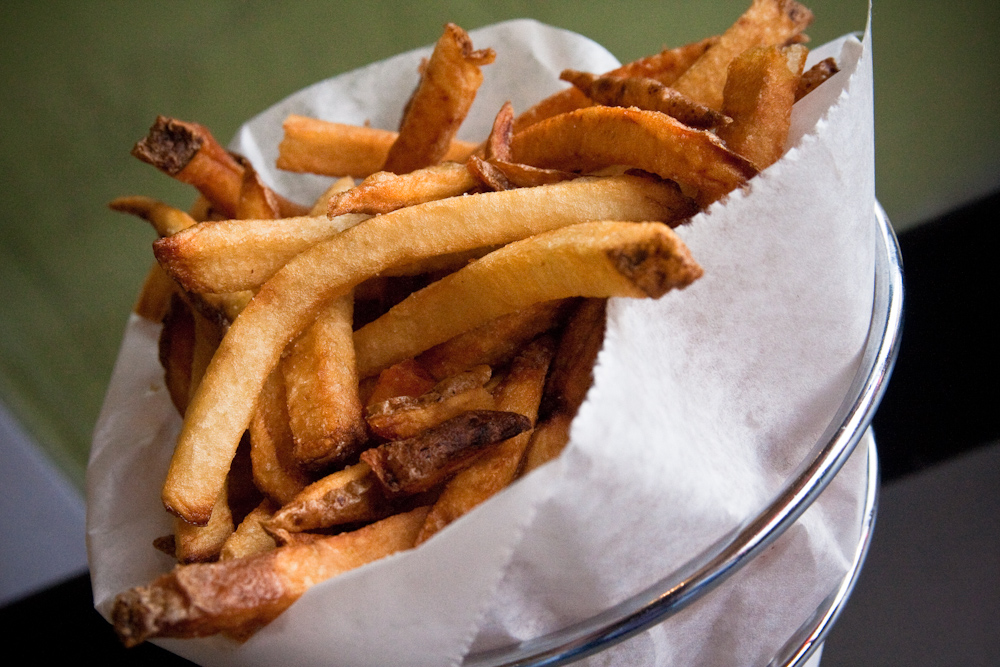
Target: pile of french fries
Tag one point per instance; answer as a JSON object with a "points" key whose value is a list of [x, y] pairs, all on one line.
{"points": [[356, 374]]}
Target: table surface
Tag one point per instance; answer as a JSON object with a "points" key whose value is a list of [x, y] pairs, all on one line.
{"points": [[83, 81]]}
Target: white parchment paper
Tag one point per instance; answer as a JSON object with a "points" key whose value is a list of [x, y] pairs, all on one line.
{"points": [[704, 401]]}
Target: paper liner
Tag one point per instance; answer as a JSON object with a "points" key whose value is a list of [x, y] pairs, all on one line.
{"points": [[704, 401]]}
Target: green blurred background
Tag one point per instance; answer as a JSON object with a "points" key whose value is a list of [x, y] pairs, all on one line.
{"points": [[82, 81]]}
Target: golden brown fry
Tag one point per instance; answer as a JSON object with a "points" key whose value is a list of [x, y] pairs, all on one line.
{"points": [[207, 334], [759, 96], [571, 373], [232, 255], [322, 147], [189, 153], [199, 544], [664, 67], [321, 384], [547, 441], [404, 416], [322, 204], [448, 85], [274, 469], [256, 200], [495, 342], [241, 596], [290, 300], [154, 298], [764, 23], [350, 495], [176, 351], [598, 259], [407, 378], [488, 174], [249, 538], [498, 143], [644, 93], [520, 392], [525, 176], [595, 137], [814, 76], [422, 462], [383, 192], [165, 219]]}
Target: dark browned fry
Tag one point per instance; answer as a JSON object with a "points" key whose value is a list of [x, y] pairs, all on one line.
{"points": [[644, 93], [423, 461], [814, 76], [488, 174], [256, 200], [498, 143], [177, 351], [448, 85], [571, 373]]}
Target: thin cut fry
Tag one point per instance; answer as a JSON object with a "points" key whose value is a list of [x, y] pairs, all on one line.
{"points": [[419, 463], [595, 137], [384, 191], [520, 392], [154, 296], [242, 595], [291, 299], [814, 76], [448, 85], [764, 23], [165, 219], [322, 147]]}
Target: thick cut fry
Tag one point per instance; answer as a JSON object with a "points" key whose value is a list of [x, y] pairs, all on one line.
{"points": [[292, 299], [759, 96], [595, 137], [232, 255], [249, 538], [271, 442], [571, 373], [242, 595], [520, 392], [597, 259], [189, 153], [321, 147], [405, 416], [321, 384], [644, 93], [664, 67], [165, 219], [422, 462], [764, 23], [384, 191], [349, 495], [448, 85], [814, 76], [492, 343]]}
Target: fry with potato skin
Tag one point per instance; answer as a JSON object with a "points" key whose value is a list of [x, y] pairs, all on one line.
{"points": [[346, 496], [384, 192], [595, 137], [813, 77], [292, 298], [242, 595], [597, 259], [448, 85]]}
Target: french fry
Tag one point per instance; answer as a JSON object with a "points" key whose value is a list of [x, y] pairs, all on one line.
{"points": [[189, 153], [249, 538], [759, 95], [448, 84], [197, 544], [520, 392], [241, 595], [644, 93], [176, 351], [764, 23], [154, 297], [165, 219], [322, 147], [271, 442], [814, 76], [232, 255], [547, 441], [405, 416], [571, 373], [492, 343], [383, 192], [291, 299], [322, 204], [595, 137], [255, 200], [597, 259], [416, 464], [407, 378], [665, 67], [350, 495], [321, 385]]}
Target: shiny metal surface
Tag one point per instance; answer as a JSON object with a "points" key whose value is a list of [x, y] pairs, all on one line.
{"points": [[717, 563]]}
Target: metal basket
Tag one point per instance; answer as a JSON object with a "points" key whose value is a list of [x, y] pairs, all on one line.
{"points": [[719, 562]]}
